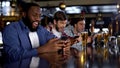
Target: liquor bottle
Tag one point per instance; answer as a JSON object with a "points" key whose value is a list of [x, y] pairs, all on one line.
{"points": [[92, 27], [117, 28], [110, 28]]}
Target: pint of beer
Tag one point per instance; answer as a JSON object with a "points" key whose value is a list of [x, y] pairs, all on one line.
{"points": [[106, 36], [84, 36], [99, 37], [110, 28]]}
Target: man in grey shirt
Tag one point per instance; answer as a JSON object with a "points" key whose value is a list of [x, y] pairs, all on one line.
{"points": [[73, 30]]}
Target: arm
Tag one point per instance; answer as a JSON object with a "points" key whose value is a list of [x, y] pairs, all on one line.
{"points": [[12, 46]]}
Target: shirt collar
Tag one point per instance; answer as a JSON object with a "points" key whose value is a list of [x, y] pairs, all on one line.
{"points": [[23, 26], [56, 33]]}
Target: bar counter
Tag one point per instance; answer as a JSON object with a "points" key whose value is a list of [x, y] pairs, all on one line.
{"points": [[89, 61], [95, 60]]}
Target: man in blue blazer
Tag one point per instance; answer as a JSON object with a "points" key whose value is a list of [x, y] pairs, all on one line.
{"points": [[25, 41]]}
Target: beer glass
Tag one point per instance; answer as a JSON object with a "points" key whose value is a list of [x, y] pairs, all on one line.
{"points": [[106, 36], [99, 37], [83, 58], [84, 36], [105, 49], [99, 40], [110, 28]]}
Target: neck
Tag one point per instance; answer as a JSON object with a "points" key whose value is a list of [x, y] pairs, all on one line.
{"points": [[75, 31]]}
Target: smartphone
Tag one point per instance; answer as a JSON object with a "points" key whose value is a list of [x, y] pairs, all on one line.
{"points": [[64, 38], [76, 37]]}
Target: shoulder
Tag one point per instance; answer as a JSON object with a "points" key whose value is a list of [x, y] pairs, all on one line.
{"points": [[11, 25], [9, 31], [41, 28], [44, 33], [68, 29]]}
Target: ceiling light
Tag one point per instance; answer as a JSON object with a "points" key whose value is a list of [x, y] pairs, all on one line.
{"points": [[13, 3], [117, 6], [119, 11], [62, 5]]}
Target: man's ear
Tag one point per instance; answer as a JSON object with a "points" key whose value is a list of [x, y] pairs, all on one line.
{"points": [[24, 14], [75, 25], [55, 22]]}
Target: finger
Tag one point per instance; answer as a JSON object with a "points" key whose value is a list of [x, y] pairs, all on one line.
{"points": [[68, 40], [54, 39], [60, 41], [67, 48], [68, 44], [59, 47]]}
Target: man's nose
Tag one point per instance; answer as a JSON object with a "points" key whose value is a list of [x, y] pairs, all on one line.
{"points": [[83, 26], [37, 18], [64, 25]]}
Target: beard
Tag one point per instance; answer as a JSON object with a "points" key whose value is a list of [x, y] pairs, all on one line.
{"points": [[59, 29], [28, 23], [32, 29], [81, 30]]}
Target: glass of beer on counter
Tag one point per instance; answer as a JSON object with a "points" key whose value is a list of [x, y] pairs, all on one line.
{"points": [[106, 36], [99, 37], [105, 50], [99, 40], [84, 36], [83, 54]]}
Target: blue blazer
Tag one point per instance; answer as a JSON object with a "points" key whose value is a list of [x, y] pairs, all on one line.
{"points": [[17, 47]]}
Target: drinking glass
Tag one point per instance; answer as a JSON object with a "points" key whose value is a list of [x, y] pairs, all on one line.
{"points": [[105, 48], [83, 58], [84, 36], [106, 36]]}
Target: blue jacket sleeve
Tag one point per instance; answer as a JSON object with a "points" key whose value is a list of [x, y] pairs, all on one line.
{"points": [[12, 46], [45, 34], [50, 35]]}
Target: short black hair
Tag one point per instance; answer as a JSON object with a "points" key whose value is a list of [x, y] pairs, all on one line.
{"points": [[75, 20], [21, 6], [46, 20], [27, 6], [59, 15]]}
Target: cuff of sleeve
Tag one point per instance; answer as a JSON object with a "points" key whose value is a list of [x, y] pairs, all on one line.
{"points": [[77, 46], [34, 52]]}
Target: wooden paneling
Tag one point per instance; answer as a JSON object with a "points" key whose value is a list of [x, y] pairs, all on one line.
{"points": [[9, 18]]}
